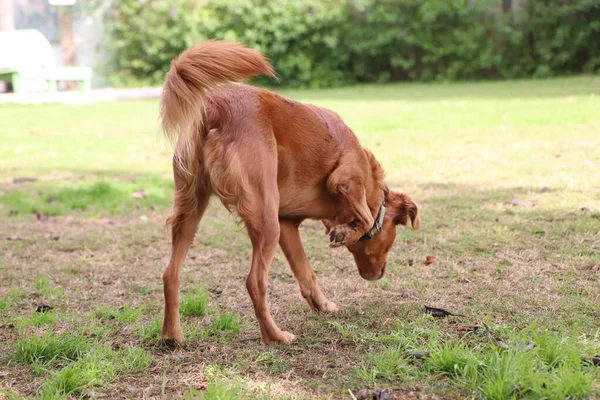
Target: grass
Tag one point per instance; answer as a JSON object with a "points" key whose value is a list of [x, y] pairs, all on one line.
{"points": [[525, 279], [194, 304]]}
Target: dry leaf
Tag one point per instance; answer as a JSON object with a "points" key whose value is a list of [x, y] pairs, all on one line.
{"points": [[518, 202], [23, 180], [430, 260], [418, 355], [362, 394], [140, 194], [40, 216], [381, 395], [440, 312], [42, 308]]}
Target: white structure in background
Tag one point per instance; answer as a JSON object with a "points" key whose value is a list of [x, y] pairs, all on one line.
{"points": [[42, 15]]}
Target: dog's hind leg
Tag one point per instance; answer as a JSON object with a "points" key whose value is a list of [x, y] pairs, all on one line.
{"points": [[184, 222], [257, 203], [290, 243]]}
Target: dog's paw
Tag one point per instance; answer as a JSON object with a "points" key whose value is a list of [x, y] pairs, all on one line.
{"points": [[340, 235], [172, 339], [329, 307], [282, 337]]}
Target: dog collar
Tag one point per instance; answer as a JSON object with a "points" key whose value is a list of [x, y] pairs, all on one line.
{"points": [[377, 225]]}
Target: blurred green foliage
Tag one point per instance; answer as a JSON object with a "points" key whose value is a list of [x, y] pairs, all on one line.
{"points": [[323, 43]]}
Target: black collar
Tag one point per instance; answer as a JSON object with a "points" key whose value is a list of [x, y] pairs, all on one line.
{"points": [[377, 225]]}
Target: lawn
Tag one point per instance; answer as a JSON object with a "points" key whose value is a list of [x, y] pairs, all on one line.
{"points": [[82, 258]]}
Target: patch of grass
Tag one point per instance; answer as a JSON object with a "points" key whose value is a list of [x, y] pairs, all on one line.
{"points": [[274, 364], [550, 366], [134, 359], [4, 304], [144, 290], [452, 359], [100, 364], [194, 304], [36, 319], [227, 324], [216, 391], [125, 314], [112, 197], [43, 287], [150, 331], [48, 347], [387, 365]]}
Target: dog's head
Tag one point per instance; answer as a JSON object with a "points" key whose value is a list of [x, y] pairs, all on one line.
{"points": [[371, 255]]}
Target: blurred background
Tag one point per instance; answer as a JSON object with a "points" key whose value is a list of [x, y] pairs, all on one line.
{"points": [[326, 43]]}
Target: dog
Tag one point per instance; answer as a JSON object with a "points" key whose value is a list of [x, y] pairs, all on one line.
{"points": [[275, 162]]}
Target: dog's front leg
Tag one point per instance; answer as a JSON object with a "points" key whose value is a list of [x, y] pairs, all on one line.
{"points": [[290, 243]]}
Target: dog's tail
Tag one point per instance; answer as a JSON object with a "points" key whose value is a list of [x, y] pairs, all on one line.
{"points": [[182, 105], [199, 68]]}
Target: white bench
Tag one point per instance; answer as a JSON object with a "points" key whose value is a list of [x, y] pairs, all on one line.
{"points": [[27, 55]]}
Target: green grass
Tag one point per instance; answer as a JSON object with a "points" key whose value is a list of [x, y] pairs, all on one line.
{"points": [[50, 347], [530, 274], [125, 314], [227, 323], [36, 319], [194, 304]]}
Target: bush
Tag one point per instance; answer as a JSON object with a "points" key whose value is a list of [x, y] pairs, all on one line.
{"points": [[319, 43]]}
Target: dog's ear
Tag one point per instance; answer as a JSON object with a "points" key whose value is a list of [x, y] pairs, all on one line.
{"points": [[402, 208]]}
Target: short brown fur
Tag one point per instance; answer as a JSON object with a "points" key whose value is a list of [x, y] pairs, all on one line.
{"points": [[275, 162]]}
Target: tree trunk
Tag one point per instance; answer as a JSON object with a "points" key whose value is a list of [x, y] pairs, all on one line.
{"points": [[67, 43]]}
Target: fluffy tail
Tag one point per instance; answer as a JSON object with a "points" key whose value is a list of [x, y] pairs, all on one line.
{"points": [[196, 70], [201, 67]]}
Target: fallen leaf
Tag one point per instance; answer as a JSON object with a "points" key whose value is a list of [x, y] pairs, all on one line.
{"points": [[545, 189], [42, 308], [501, 343], [362, 394], [440, 312], [140, 194], [381, 395], [430, 260], [518, 202], [23, 180], [40, 216], [418, 355]]}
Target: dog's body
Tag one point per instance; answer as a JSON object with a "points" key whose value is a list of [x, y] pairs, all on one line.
{"points": [[275, 162]]}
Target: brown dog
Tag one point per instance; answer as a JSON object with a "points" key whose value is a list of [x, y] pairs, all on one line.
{"points": [[276, 162]]}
